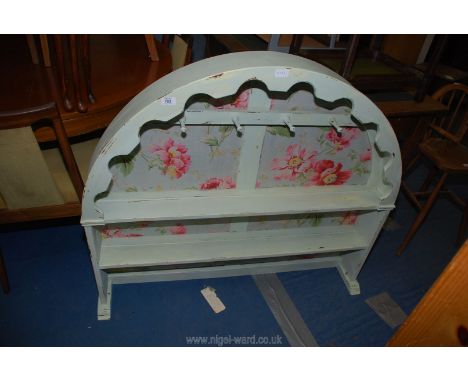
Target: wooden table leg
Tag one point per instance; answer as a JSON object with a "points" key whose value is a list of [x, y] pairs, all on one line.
{"points": [[3, 276]]}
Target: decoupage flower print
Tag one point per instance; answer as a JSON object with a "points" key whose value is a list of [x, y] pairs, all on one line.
{"points": [[296, 163], [327, 173]]}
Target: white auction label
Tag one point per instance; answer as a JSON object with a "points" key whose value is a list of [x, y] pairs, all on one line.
{"points": [[282, 73], [213, 300], [168, 101]]}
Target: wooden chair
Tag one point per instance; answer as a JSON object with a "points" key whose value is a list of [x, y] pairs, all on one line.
{"points": [[180, 47], [28, 184], [44, 49], [443, 147], [28, 189]]}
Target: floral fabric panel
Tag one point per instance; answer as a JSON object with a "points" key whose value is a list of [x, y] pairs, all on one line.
{"points": [[314, 156], [303, 100], [302, 221], [207, 158], [239, 102], [127, 230]]}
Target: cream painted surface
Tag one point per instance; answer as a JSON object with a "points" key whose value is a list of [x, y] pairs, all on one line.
{"points": [[361, 206]]}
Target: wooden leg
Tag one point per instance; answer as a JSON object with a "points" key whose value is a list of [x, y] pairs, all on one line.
{"points": [[151, 44], [62, 72], [3, 276], [45, 50], [429, 179], [87, 67], [296, 43], [104, 305], [463, 224], [410, 166], [32, 49], [350, 56], [75, 57], [410, 195], [422, 214], [69, 158]]}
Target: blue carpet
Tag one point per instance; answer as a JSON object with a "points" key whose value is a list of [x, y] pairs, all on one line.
{"points": [[53, 298]]}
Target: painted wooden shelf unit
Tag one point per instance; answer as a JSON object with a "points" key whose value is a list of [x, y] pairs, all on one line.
{"points": [[246, 163]]}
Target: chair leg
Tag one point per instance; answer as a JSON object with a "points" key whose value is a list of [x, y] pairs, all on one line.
{"points": [[45, 50], [3, 276], [410, 195], [68, 157], [32, 49], [430, 177], [408, 167], [463, 224], [152, 49], [422, 214]]}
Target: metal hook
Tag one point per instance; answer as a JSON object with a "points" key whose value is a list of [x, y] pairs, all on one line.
{"points": [[183, 128], [239, 128], [336, 126], [290, 126]]}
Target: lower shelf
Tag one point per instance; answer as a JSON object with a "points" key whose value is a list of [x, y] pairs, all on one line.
{"points": [[188, 249]]}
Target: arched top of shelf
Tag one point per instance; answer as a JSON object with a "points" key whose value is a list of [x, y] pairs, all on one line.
{"points": [[223, 76]]}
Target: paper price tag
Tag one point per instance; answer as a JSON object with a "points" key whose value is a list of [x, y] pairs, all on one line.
{"points": [[212, 299], [168, 101], [282, 73]]}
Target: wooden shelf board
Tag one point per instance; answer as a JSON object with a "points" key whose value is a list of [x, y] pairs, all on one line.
{"points": [[145, 206], [178, 249]]}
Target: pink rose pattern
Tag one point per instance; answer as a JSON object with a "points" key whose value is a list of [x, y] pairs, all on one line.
{"points": [[218, 183], [117, 232], [178, 229], [241, 102], [338, 142], [349, 218], [174, 157], [297, 161], [327, 173], [366, 155], [299, 165]]}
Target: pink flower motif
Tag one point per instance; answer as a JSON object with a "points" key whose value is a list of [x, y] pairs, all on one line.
{"points": [[117, 232], [178, 229], [218, 183], [349, 218], [241, 102], [297, 161], [366, 155], [328, 174], [343, 140], [174, 156], [258, 184]]}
